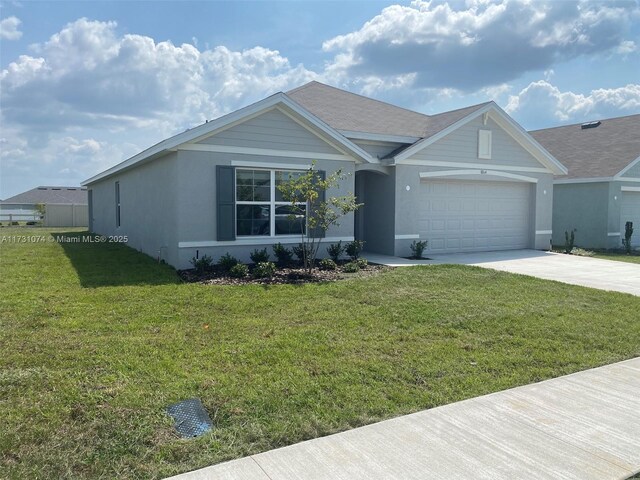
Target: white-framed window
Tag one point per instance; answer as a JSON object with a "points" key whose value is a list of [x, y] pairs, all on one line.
{"points": [[484, 144], [260, 209]]}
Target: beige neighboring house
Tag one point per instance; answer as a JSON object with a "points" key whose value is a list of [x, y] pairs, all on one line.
{"points": [[64, 206]]}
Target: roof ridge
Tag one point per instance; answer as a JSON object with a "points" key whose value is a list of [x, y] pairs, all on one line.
{"points": [[586, 121], [308, 84], [481, 104]]}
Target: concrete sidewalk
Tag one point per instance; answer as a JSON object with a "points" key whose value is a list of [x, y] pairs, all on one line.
{"points": [[585, 271], [581, 426]]}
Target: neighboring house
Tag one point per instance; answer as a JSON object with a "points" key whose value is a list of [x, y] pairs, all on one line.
{"points": [[601, 192], [467, 180], [65, 206]]}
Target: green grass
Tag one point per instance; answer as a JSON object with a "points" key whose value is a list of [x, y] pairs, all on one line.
{"points": [[620, 257], [97, 340]]}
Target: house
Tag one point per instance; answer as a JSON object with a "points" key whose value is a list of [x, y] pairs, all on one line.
{"points": [[64, 206], [601, 191], [466, 180]]}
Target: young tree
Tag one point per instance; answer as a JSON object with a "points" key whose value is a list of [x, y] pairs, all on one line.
{"points": [[306, 195]]}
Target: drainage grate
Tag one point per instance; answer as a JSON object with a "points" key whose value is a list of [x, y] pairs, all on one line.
{"points": [[192, 420]]}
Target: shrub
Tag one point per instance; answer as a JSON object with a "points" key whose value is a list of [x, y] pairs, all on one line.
{"points": [[362, 262], [417, 248], [328, 264], [354, 248], [264, 270], [227, 261], [202, 264], [626, 241], [282, 253], [15, 223], [335, 250], [569, 239], [258, 256], [239, 270], [301, 251], [351, 267]]}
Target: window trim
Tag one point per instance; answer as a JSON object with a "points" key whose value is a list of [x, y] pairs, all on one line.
{"points": [[486, 135], [272, 203]]}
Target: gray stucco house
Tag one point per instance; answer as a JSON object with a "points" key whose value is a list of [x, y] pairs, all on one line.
{"points": [[466, 180], [601, 191]]}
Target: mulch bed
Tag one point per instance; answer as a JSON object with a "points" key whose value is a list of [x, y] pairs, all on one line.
{"points": [[295, 275]]}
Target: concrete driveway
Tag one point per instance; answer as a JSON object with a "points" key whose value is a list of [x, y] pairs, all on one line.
{"points": [[588, 272]]}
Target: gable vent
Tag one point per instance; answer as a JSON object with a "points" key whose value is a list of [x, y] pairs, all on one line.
{"points": [[584, 126]]}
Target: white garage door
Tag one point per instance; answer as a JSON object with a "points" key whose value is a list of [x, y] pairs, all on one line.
{"points": [[630, 212], [467, 216]]}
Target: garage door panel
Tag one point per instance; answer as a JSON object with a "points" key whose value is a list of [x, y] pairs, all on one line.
{"points": [[630, 212], [474, 216]]}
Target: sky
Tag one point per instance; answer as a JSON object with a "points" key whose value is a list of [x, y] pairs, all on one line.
{"points": [[85, 85]]}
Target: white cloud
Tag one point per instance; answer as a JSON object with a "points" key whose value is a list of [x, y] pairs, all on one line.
{"points": [[9, 28], [541, 101], [464, 46], [90, 94]]}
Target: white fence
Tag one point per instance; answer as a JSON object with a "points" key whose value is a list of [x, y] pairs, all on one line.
{"points": [[56, 215], [66, 216]]}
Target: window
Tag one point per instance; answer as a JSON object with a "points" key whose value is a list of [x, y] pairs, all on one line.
{"points": [[484, 144], [260, 208], [117, 204]]}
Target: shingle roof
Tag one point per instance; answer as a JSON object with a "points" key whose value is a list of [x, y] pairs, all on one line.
{"points": [[602, 151], [344, 110], [77, 195]]}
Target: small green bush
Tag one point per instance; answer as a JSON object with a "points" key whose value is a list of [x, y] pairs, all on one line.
{"points": [[259, 256], [628, 233], [569, 240], [362, 262], [328, 264], [354, 248], [351, 267], [299, 251], [418, 248], [203, 264], [283, 254], [239, 270], [227, 261], [264, 270], [335, 250]]}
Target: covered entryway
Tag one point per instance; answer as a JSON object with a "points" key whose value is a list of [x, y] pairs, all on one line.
{"points": [[471, 216], [630, 212]]}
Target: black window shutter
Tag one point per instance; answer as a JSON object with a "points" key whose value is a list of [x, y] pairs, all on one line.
{"points": [[225, 203], [319, 232]]}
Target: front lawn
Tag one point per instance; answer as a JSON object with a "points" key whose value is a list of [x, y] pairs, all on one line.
{"points": [[97, 340], [619, 257]]}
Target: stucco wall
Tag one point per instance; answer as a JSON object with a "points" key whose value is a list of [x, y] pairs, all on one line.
{"points": [[585, 208], [407, 200], [148, 207], [196, 180], [377, 215]]}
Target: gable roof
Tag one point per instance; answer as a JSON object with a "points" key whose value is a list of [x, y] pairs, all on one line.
{"points": [[50, 195], [339, 116], [600, 152], [350, 112], [210, 128], [508, 124]]}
